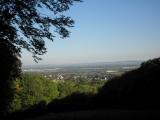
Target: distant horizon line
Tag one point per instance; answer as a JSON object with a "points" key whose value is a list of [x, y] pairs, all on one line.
{"points": [[82, 63]]}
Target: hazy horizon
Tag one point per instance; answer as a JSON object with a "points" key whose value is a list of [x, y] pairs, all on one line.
{"points": [[106, 31], [88, 63]]}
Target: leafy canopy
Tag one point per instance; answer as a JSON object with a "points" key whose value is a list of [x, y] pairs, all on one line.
{"points": [[23, 24]]}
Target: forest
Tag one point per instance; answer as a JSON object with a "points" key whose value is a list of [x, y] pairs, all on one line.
{"points": [[31, 89]]}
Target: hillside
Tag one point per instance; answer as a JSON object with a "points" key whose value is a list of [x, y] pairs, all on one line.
{"points": [[135, 89], [134, 94]]}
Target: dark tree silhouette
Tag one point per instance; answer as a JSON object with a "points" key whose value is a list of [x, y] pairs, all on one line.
{"points": [[138, 89], [23, 24], [9, 70]]}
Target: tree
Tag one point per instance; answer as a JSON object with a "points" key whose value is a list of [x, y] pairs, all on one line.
{"points": [[24, 25], [9, 70]]}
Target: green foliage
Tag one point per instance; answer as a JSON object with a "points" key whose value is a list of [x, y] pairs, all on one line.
{"points": [[86, 89], [67, 88], [50, 91], [16, 104], [31, 89]]}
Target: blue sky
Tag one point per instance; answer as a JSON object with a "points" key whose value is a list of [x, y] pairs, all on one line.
{"points": [[107, 30]]}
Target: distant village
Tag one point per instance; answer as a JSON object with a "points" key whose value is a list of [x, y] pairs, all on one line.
{"points": [[81, 74], [81, 77]]}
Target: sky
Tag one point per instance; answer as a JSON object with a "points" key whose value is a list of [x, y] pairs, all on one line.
{"points": [[106, 31]]}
